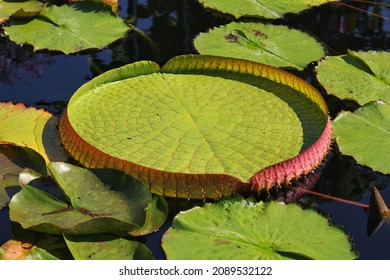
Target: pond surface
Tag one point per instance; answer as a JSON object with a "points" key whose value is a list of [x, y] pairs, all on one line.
{"points": [[48, 80]]}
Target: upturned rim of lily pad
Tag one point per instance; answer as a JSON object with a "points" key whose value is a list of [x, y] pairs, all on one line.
{"points": [[172, 184]]}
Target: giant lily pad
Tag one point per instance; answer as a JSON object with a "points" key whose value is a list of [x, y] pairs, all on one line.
{"points": [[275, 45], [125, 208], [359, 76], [70, 28], [370, 146], [106, 247], [261, 8], [201, 126], [243, 229], [31, 128]]}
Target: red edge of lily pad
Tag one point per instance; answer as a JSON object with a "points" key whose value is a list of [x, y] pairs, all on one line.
{"points": [[197, 186]]}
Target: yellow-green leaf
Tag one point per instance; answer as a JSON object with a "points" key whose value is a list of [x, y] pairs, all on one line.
{"points": [[32, 128]]}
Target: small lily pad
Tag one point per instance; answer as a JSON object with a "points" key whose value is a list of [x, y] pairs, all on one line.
{"points": [[370, 146], [359, 76], [19, 9], [261, 8], [70, 28], [124, 211], [275, 45], [16, 250], [32, 128], [106, 247], [243, 229], [13, 160]]}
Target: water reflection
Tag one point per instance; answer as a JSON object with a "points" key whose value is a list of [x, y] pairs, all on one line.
{"points": [[17, 64]]}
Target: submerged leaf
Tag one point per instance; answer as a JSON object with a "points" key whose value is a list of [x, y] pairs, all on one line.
{"points": [[370, 146], [261, 8], [70, 28], [32, 128], [16, 250], [106, 247], [123, 211], [243, 229], [359, 76], [275, 45]]}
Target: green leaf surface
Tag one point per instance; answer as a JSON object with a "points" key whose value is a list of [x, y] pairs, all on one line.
{"points": [[359, 76], [13, 160], [189, 120], [226, 230], [106, 247], [261, 8], [70, 28], [16, 250], [275, 45], [365, 135], [10, 8], [32, 128], [123, 210]]}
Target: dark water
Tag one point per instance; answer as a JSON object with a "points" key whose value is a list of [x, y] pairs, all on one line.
{"points": [[49, 79]]}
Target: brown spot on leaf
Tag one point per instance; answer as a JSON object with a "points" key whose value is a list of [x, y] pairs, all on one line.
{"points": [[231, 38], [260, 34]]}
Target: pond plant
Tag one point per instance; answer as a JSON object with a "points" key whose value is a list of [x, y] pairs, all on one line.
{"points": [[229, 130]]}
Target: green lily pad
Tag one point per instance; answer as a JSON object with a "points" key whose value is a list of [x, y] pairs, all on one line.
{"points": [[13, 160], [275, 45], [32, 128], [19, 9], [106, 247], [202, 126], [359, 76], [261, 8], [16, 250], [70, 28], [124, 211], [243, 229], [370, 146]]}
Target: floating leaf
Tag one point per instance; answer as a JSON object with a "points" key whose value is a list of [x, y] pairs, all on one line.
{"points": [[359, 76], [32, 128], [13, 160], [261, 8], [70, 28], [201, 126], [106, 247], [16, 250], [370, 146], [275, 45], [22, 9], [244, 229], [111, 3], [125, 208]]}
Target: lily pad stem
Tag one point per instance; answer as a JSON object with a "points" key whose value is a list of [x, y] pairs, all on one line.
{"points": [[333, 198]]}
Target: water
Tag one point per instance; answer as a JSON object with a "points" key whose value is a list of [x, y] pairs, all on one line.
{"points": [[48, 80]]}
